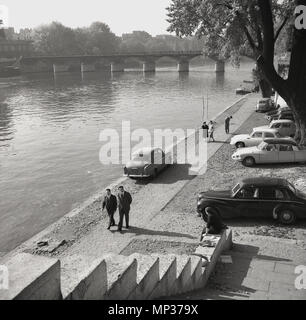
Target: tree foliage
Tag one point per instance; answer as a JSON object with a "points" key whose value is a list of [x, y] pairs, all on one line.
{"points": [[230, 28]]}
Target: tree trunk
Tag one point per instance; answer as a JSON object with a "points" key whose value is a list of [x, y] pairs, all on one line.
{"points": [[266, 88], [291, 90], [261, 81]]}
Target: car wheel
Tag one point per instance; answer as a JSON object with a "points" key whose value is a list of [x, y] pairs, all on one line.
{"points": [[240, 145], [248, 162], [286, 216]]}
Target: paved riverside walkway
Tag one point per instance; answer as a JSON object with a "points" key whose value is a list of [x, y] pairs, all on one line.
{"points": [[150, 200], [245, 274]]}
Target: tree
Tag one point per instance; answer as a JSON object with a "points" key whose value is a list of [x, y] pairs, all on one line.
{"points": [[101, 40], [55, 39], [250, 27], [291, 89], [230, 28]]}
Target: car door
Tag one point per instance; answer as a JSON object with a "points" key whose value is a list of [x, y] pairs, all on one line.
{"points": [[270, 198], [246, 201], [286, 153], [158, 159], [255, 139], [269, 154], [299, 154]]}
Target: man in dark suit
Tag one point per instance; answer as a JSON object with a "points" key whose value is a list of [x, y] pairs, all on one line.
{"points": [[110, 203], [124, 204]]}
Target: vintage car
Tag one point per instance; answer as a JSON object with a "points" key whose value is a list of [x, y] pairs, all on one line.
{"points": [[282, 114], [286, 128], [276, 111], [256, 197], [146, 162], [255, 138], [264, 105], [271, 151]]}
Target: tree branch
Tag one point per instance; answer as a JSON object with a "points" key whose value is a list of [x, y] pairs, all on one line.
{"points": [[280, 28]]}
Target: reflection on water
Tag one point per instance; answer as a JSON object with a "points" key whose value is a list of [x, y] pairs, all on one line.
{"points": [[49, 133]]}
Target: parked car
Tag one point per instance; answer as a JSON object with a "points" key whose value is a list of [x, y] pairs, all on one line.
{"points": [[271, 151], [255, 138], [282, 114], [284, 127], [264, 105], [276, 111], [146, 162], [243, 91], [256, 197]]}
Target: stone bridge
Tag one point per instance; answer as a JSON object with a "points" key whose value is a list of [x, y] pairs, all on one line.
{"points": [[116, 61]]}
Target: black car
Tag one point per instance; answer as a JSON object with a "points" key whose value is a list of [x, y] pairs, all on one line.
{"points": [[257, 197]]}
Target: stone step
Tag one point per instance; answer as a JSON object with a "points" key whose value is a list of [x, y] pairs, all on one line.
{"points": [[167, 276], [197, 271], [83, 278], [183, 275], [121, 276], [147, 276]]}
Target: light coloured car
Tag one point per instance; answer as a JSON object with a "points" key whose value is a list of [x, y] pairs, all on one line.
{"points": [[146, 162], [264, 105], [255, 138], [271, 151], [286, 128]]}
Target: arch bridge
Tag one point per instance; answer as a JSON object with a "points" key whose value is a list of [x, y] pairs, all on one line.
{"points": [[89, 63]]}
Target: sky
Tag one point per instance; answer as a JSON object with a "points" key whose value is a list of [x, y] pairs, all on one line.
{"points": [[123, 16]]}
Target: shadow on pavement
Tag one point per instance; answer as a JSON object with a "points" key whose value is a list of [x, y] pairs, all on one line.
{"points": [[142, 231]]}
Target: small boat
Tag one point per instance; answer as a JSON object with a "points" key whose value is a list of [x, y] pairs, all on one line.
{"points": [[9, 71], [243, 91]]}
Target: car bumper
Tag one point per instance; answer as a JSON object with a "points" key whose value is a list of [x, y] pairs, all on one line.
{"points": [[132, 175], [237, 158]]}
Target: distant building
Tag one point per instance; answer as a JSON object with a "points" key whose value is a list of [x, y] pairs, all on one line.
{"points": [[15, 48]]}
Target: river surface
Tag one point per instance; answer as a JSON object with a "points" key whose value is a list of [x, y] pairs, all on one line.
{"points": [[50, 126]]}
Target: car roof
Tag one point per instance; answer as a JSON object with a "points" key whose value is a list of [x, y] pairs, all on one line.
{"points": [[145, 151], [280, 141], [264, 181], [261, 129], [282, 121]]}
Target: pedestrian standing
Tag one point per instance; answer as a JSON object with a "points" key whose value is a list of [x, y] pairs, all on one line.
{"points": [[211, 130], [205, 129], [227, 124], [110, 203], [124, 205]]}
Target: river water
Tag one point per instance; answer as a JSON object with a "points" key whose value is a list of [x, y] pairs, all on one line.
{"points": [[50, 126]]}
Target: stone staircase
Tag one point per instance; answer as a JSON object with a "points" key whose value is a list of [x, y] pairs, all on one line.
{"points": [[114, 277]]}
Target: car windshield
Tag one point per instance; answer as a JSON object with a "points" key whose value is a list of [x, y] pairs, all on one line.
{"points": [[140, 156], [236, 189], [292, 188], [262, 146]]}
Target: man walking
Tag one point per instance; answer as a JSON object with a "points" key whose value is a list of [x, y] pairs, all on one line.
{"points": [[110, 203], [124, 204], [227, 124]]}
